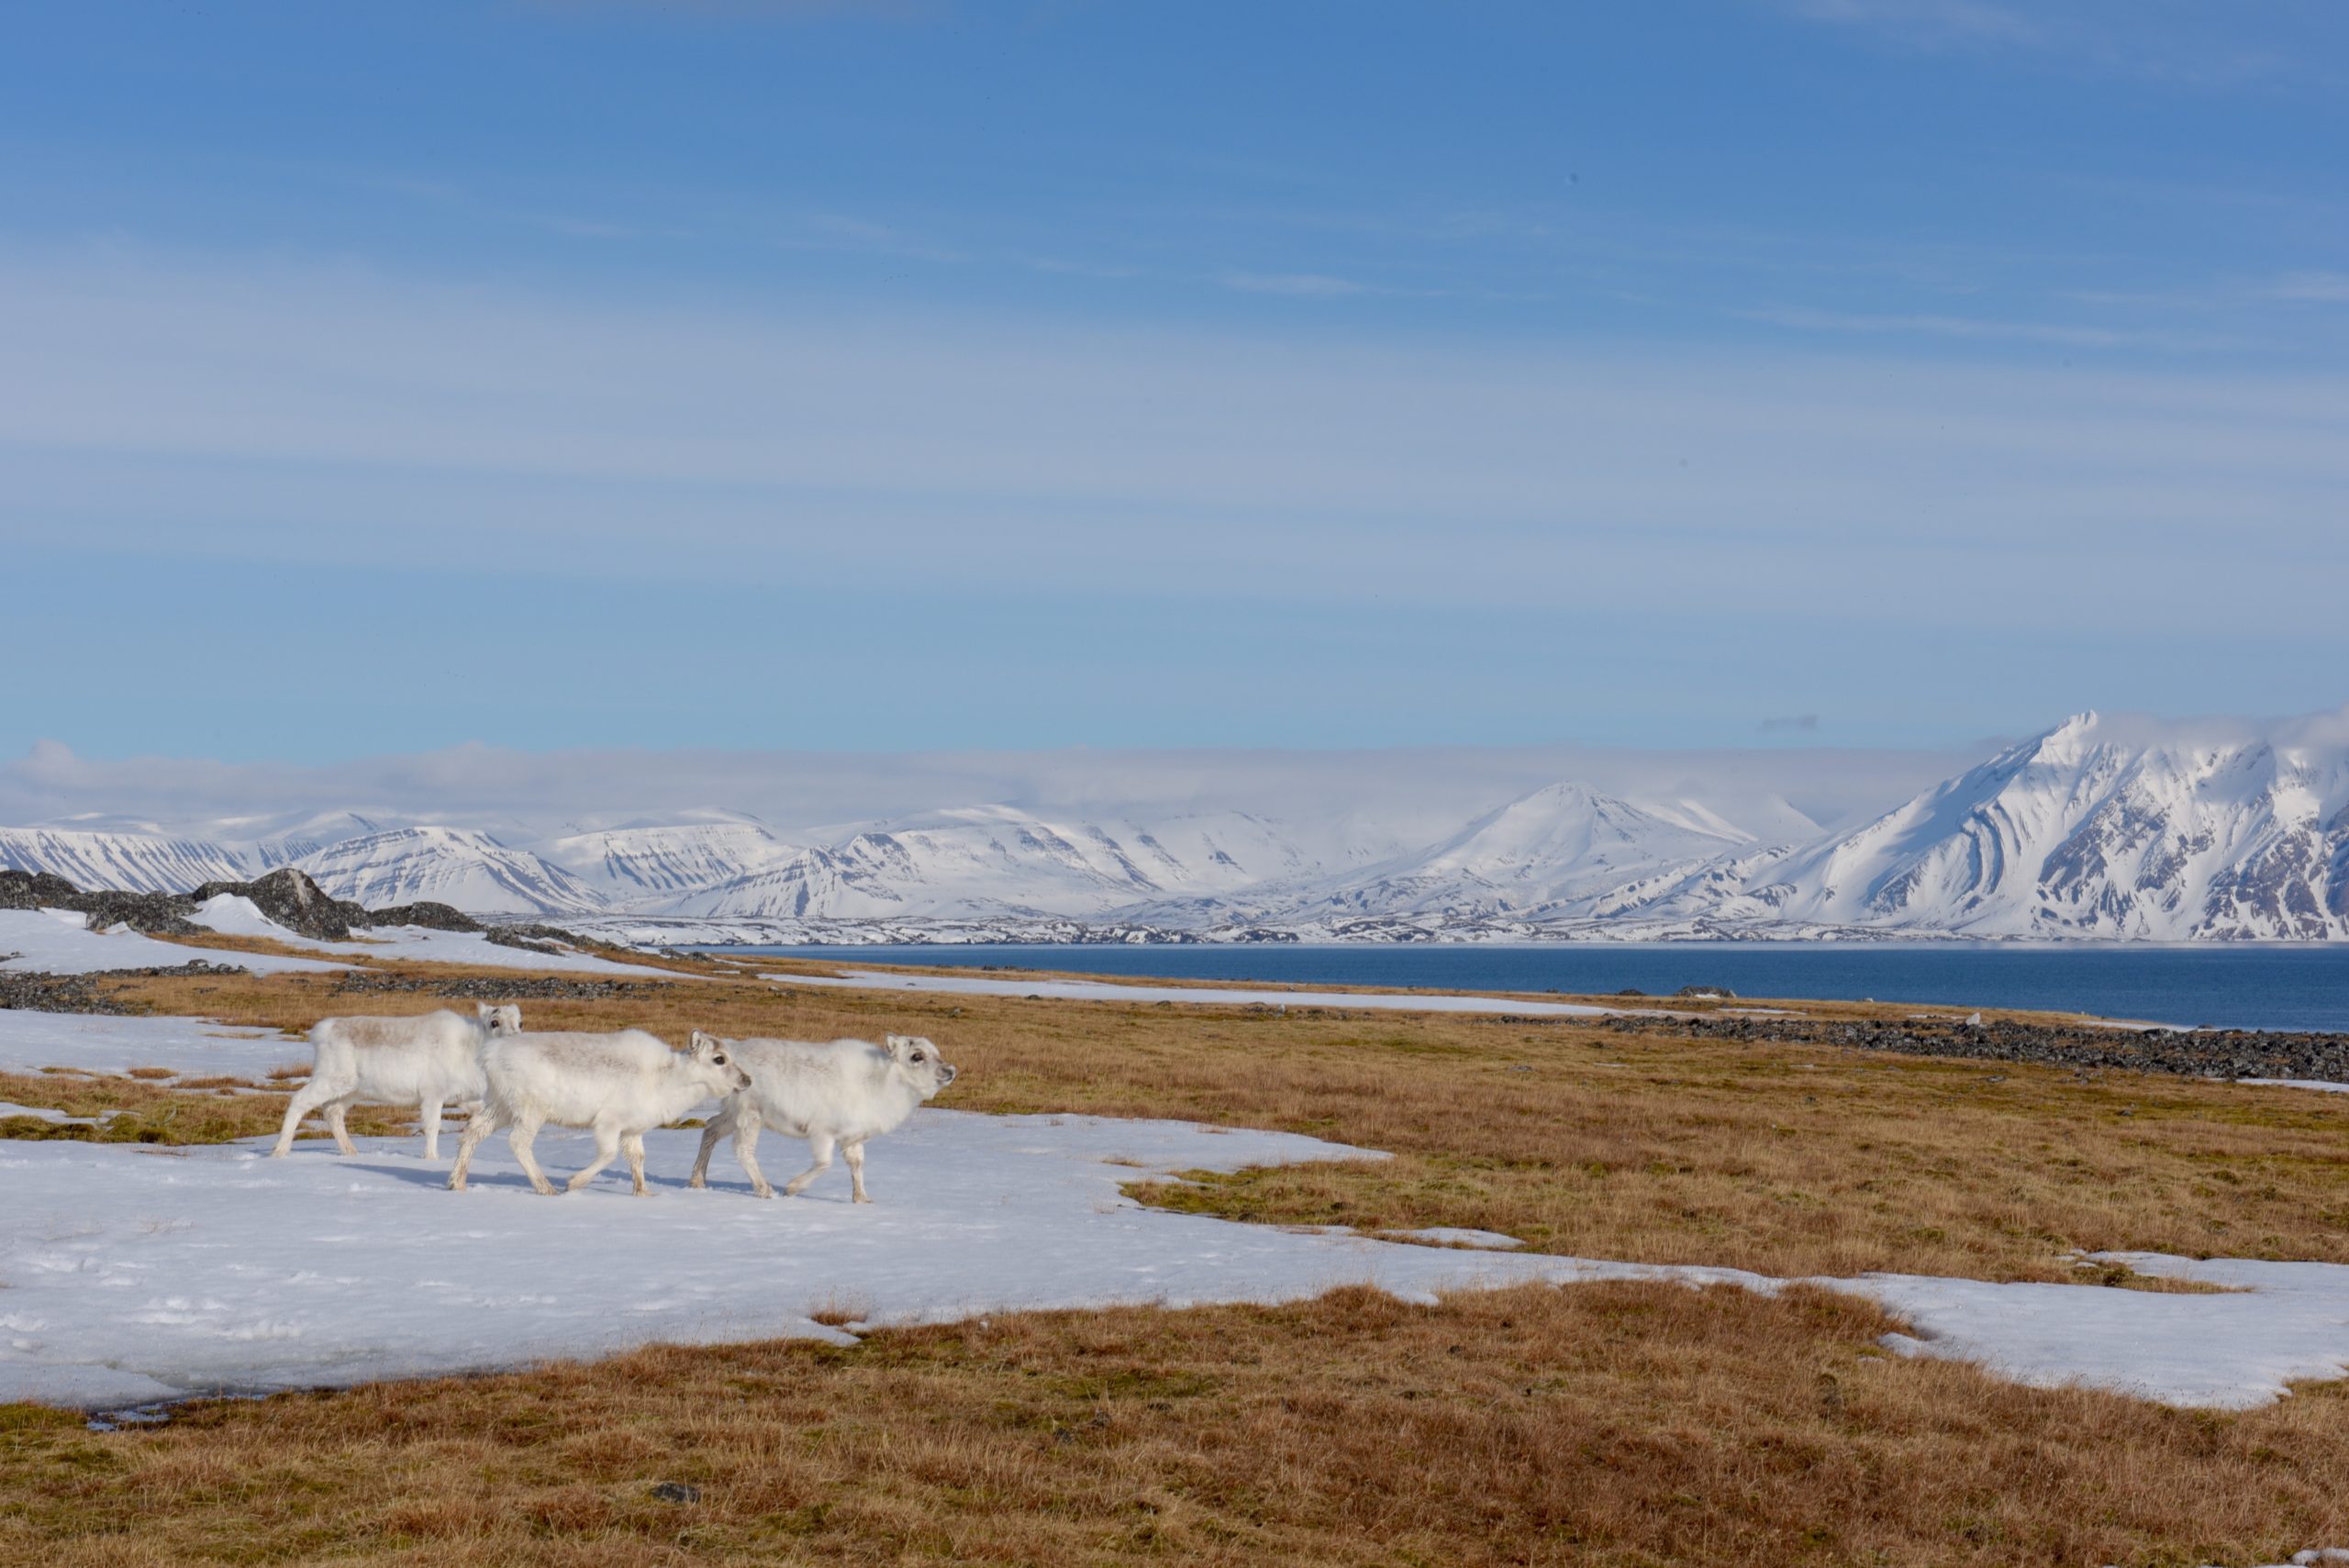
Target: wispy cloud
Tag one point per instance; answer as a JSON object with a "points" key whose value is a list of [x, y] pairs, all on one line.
{"points": [[2060, 335], [2326, 288], [297, 416], [2185, 44], [1301, 285], [1930, 23], [1790, 723]]}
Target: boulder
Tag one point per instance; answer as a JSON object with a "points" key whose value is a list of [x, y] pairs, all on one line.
{"points": [[288, 897], [431, 916]]}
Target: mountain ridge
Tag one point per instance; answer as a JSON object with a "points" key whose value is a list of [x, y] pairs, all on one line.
{"points": [[2100, 828]]}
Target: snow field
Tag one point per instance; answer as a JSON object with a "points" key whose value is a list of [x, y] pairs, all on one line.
{"points": [[188, 1047], [136, 1274], [59, 942]]}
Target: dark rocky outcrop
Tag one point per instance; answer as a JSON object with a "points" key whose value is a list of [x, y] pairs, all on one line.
{"points": [[2197, 1053], [158, 914], [502, 988], [431, 916], [36, 890], [288, 897], [1700, 993], [32, 991]]}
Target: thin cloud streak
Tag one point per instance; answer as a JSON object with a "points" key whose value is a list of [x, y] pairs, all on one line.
{"points": [[2058, 334], [305, 416], [2184, 46]]}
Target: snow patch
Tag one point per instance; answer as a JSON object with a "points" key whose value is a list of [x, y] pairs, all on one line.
{"points": [[1458, 1236], [1196, 995], [135, 1279], [59, 942]]}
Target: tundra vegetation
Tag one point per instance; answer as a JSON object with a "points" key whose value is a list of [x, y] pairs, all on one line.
{"points": [[1613, 1425]]}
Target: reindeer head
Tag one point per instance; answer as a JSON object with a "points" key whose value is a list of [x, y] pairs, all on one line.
{"points": [[915, 1061], [715, 1065], [506, 1019]]}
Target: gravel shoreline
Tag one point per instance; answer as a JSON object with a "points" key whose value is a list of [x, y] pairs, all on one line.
{"points": [[2202, 1053]]}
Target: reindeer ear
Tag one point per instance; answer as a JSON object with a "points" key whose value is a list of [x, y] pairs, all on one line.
{"points": [[703, 1043], [484, 1010], [897, 1043]]}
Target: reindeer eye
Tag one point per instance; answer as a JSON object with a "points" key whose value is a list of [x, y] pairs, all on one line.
{"points": [[917, 1056], [721, 1060]]}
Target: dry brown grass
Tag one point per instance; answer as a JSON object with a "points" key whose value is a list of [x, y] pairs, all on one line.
{"points": [[1606, 1425], [187, 1110], [1609, 1424]]}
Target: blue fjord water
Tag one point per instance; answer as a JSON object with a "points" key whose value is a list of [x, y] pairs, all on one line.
{"points": [[2234, 986]]}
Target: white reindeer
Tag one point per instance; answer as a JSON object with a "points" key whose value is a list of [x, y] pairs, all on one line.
{"points": [[620, 1085], [840, 1092], [423, 1061]]}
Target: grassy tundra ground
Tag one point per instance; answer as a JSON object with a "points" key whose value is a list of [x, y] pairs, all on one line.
{"points": [[1593, 1423]]}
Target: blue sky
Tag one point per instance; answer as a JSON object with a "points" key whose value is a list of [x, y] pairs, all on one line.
{"points": [[935, 374]]}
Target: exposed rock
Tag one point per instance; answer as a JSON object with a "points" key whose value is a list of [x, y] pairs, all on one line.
{"points": [[35, 890], [531, 936], [426, 913], [288, 897], [156, 914], [2199, 1053], [526, 939], [38, 992], [1702, 993], [499, 988]]}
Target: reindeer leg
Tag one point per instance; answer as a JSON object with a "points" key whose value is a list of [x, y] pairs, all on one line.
{"points": [[525, 1133], [747, 1127], [335, 1114], [431, 1113], [607, 1144], [820, 1144], [712, 1130], [855, 1153], [479, 1127], [633, 1147], [307, 1098]]}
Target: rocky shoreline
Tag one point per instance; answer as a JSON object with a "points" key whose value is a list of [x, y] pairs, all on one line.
{"points": [[2195, 1053]]}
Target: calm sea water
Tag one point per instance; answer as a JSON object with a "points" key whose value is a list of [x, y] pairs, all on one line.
{"points": [[2234, 987]]}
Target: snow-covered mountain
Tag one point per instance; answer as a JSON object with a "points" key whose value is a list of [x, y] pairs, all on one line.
{"points": [[649, 864], [2103, 829], [1560, 852], [135, 863], [984, 861], [448, 865]]}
